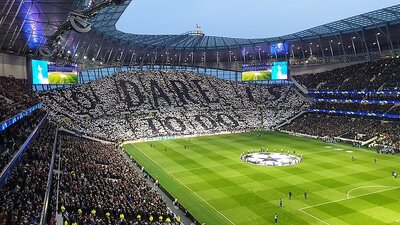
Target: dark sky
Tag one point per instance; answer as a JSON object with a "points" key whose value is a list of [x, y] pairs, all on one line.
{"points": [[239, 18]]}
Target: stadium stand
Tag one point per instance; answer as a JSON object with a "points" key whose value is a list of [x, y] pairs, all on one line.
{"points": [[99, 186], [323, 125], [348, 84], [14, 136], [376, 75], [116, 89], [16, 95], [22, 198], [142, 104]]}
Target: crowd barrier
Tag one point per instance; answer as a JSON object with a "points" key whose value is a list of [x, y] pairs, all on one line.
{"points": [[18, 117], [81, 135], [356, 92], [43, 216]]}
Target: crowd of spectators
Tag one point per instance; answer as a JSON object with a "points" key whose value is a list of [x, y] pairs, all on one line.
{"points": [[99, 186], [15, 135], [16, 95], [376, 75], [140, 104], [22, 197], [325, 125], [379, 75]]}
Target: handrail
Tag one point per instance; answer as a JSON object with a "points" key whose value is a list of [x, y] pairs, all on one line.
{"points": [[290, 120], [8, 122], [85, 136], [58, 178], [299, 86], [10, 166], [49, 181]]}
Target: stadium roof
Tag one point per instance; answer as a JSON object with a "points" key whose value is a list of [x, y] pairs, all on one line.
{"points": [[107, 18], [26, 25]]}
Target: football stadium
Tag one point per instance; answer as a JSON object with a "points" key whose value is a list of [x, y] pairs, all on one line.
{"points": [[107, 118]]}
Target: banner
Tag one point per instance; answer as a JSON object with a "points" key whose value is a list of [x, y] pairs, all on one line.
{"points": [[366, 101], [380, 115], [356, 92]]}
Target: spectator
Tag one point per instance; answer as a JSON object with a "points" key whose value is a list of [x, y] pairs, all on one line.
{"points": [[143, 104]]}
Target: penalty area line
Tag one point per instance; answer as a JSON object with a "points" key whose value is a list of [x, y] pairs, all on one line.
{"points": [[362, 187], [348, 197], [185, 185], [301, 210], [351, 197]]}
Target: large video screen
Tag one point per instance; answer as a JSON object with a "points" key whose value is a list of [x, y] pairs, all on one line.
{"points": [[44, 72], [279, 71], [256, 75], [275, 71], [279, 49]]}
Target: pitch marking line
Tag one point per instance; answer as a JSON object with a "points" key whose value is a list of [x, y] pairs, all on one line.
{"points": [[301, 210], [347, 198], [351, 197], [185, 186], [362, 187]]}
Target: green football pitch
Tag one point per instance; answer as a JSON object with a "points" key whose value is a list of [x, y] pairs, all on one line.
{"points": [[209, 179]]}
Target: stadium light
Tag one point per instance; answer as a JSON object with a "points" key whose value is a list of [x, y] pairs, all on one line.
{"points": [[377, 41]]}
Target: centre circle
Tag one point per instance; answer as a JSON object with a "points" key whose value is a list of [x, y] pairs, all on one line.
{"points": [[271, 159]]}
